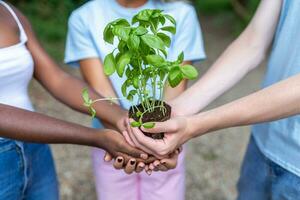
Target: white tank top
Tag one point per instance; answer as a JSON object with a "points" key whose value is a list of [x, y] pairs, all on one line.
{"points": [[16, 70]]}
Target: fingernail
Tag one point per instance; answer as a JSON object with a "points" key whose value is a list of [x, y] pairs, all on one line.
{"points": [[132, 162], [141, 166], [149, 172], [119, 159], [144, 156]]}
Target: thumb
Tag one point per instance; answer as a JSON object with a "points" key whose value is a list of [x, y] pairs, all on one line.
{"points": [[162, 127]]}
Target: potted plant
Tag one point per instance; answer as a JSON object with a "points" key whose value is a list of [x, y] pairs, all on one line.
{"points": [[140, 56]]}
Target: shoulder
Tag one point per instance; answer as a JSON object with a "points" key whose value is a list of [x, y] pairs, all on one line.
{"points": [[80, 14]]}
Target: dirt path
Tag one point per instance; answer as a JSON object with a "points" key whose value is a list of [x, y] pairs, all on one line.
{"points": [[213, 160]]}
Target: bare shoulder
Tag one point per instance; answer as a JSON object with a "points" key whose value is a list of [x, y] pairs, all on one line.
{"points": [[23, 19]]}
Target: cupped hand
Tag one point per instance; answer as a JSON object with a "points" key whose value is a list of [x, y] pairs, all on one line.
{"points": [[125, 155], [177, 132]]}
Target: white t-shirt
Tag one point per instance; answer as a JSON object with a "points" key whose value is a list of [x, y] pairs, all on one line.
{"points": [[86, 25]]}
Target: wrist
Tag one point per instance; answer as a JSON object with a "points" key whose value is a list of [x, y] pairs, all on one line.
{"points": [[112, 115], [100, 138], [201, 124]]}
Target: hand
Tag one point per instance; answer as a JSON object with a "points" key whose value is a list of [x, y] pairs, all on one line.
{"points": [[177, 132], [126, 156], [164, 164]]}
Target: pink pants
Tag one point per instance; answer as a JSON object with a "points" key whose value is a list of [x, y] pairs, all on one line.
{"points": [[114, 184]]}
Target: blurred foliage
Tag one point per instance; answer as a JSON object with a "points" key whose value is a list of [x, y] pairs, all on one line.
{"points": [[49, 17], [224, 9], [49, 20]]}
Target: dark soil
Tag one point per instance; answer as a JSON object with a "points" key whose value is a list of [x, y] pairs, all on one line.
{"points": [[155, 116]]}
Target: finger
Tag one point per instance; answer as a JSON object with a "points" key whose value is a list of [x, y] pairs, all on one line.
{"points": [[180, 149], [118, 164], [146, 168], [133, 152], [107, 157], [128, 139], [140, 167], [156, 163], [149, 172], [170, 163], [130, 166], [162, 127], [151, 166], [146, 143], [162, 168], [133, 138]]}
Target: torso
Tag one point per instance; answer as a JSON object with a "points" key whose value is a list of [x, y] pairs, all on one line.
{"points": [[16, 63]]}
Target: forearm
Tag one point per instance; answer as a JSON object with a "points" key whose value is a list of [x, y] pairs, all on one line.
{"points": [[219, 78], [275, 102], [29, 126], [69, 90]]}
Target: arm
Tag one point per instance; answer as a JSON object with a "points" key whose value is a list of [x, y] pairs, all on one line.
{"points": [[61, 85], [92, 72], [243, 55], [278, 101], [272, 103], [29, 126]]}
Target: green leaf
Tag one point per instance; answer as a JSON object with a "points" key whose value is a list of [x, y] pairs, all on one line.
{"points": [[135, 124], [128, 73], [162, 20], [175, 77], [130, 97], [122, 22], [85, 95], [170, 29], [122, 62], [170, 18], [166, 39], [141, 31], [122, 47], [155, 60], [189, 72], [180, 58], [164, 52], [153, 41], [136, 82], [148, 125], [138, 113], [144, 15], [122, 32], [133, 92], [124, 89], [109, 64], [134, 42], [108, 34]]}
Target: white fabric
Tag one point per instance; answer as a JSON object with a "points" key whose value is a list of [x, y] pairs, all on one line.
{"points": [[16, 70]]}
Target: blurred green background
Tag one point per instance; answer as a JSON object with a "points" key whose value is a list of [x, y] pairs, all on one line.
{"points": [[49, 17]]}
